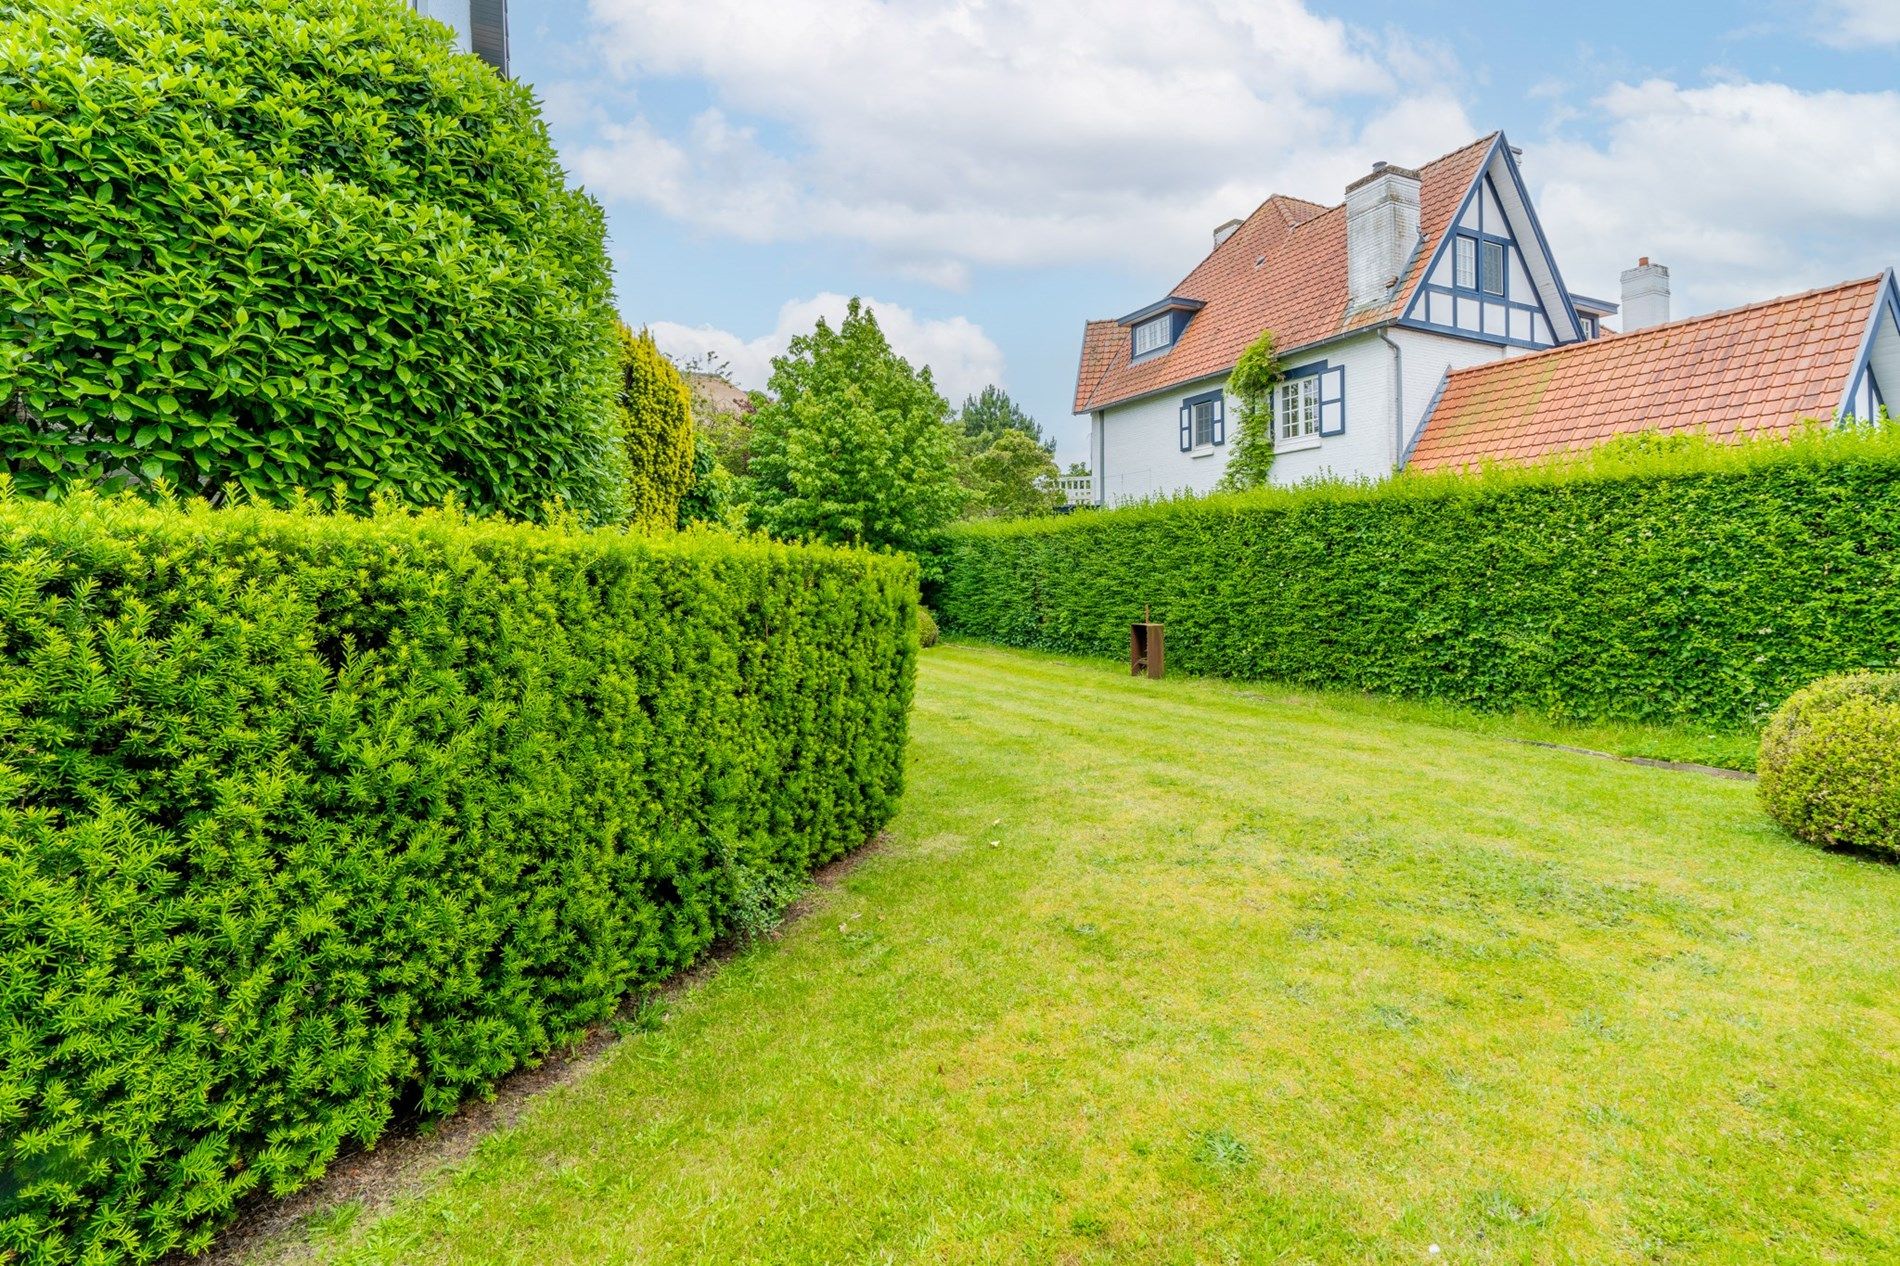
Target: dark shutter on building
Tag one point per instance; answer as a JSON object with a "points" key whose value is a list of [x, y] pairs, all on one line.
{"points": [[1332, 401], [488, 31], [1220, 418], [1187, 427]]}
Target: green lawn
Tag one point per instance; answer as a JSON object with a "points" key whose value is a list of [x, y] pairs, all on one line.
{"points": [[1184, 971]]}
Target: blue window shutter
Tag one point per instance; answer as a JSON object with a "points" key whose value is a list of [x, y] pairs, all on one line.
{"points": [[1187, 428], [1332, 401], [1220, 418]]}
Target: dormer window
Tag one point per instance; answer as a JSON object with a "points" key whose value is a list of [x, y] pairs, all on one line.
{"points": [[1152, 336], [1154, 329]]}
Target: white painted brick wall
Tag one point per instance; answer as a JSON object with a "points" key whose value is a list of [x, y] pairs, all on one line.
{"points": [[1136, 447], [1381, 232]]}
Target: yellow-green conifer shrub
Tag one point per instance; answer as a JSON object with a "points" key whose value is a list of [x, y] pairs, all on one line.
{"points": [[656, 412], [310, 819]]}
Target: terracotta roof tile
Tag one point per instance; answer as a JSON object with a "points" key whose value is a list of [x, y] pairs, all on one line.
{"points": [[1754, 370], [1284, 269]]}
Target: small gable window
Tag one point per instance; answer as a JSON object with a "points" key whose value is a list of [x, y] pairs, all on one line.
{"points": [[1152, 336], [1491, 268], [1478, 264]]}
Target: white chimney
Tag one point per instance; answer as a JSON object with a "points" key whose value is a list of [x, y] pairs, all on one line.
{"points": [[1225, 231], [1645, 295], [1381, 231]]}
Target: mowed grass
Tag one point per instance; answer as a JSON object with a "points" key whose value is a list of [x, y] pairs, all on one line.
{"points": [[1184, 971]]}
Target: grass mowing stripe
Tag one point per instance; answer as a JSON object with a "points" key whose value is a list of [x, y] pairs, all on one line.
{"points": [[1190, 1006]]}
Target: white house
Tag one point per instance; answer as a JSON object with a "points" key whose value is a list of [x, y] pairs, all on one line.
{"points": [[480, 26], [1385, 309]]}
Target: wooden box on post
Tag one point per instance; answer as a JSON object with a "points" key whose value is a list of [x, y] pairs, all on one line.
{"points": [[1146, 652]]}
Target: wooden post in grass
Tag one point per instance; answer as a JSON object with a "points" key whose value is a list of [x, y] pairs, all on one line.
{"points": [[1146, 651]]}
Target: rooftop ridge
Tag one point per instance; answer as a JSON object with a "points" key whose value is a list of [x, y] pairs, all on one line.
{"points": [[1284, 268], [1324, 208], [1624, 338]]}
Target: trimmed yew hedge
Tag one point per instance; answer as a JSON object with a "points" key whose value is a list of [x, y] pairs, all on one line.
{"points": [[252, 246], [311, 820], [1700, 583]]}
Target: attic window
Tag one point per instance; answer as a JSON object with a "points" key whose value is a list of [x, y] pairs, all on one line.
{"points": [[1467, 276], [1478, 265], [1491, 268], [1152, 336]]}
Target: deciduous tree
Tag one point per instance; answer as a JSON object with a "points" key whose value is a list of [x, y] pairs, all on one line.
{"points": [[856, 446]]}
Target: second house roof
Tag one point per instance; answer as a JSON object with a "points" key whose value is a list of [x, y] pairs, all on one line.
{"points": [[1283, 269]]}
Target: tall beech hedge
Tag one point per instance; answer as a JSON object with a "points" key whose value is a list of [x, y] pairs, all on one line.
{"points": [[312, 819], [1701, 583], [279, 244]]}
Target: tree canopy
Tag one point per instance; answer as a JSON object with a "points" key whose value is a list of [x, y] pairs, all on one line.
{"points": [[991, 412], [856, 446], [1012, 477]]}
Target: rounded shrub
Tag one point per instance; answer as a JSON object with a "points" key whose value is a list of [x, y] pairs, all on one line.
{"points": [[926, 627], [249, 246], [1830, 762]]}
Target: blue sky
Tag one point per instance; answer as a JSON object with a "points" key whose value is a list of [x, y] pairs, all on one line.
{"points": [[992, 174]]}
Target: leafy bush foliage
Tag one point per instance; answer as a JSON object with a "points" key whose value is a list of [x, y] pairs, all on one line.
{"points": [[312, 816], [1830, 763], [280, 244], [857, 447], [1255, 375], [926, 627], [1699, 583], [710, 498], [1011, 477], [656, 418]]}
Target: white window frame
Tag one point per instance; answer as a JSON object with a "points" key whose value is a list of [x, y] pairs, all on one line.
{"points": [[1296, 410], [1465, 262], [1154, 335], [1201, 419]]}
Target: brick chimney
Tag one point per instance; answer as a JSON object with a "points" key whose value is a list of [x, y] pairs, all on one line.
{"points": [[1645, 295], [1381, 231]]}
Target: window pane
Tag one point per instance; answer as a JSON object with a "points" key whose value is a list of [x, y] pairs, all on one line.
{"points": [[1152, 335], [1467, 263], [1203, 423], [1492, 281]]}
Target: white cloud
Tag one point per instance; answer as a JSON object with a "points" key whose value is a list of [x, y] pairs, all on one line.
{"points": [[1745, 190], [1852, 23], [962, 358], [942, 133]]}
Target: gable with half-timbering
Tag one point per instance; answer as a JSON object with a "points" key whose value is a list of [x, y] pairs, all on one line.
{"points": [[1492, 276]]}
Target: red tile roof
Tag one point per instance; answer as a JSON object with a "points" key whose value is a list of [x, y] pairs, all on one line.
{"points": [[1759, 369], [1284, 270]]}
